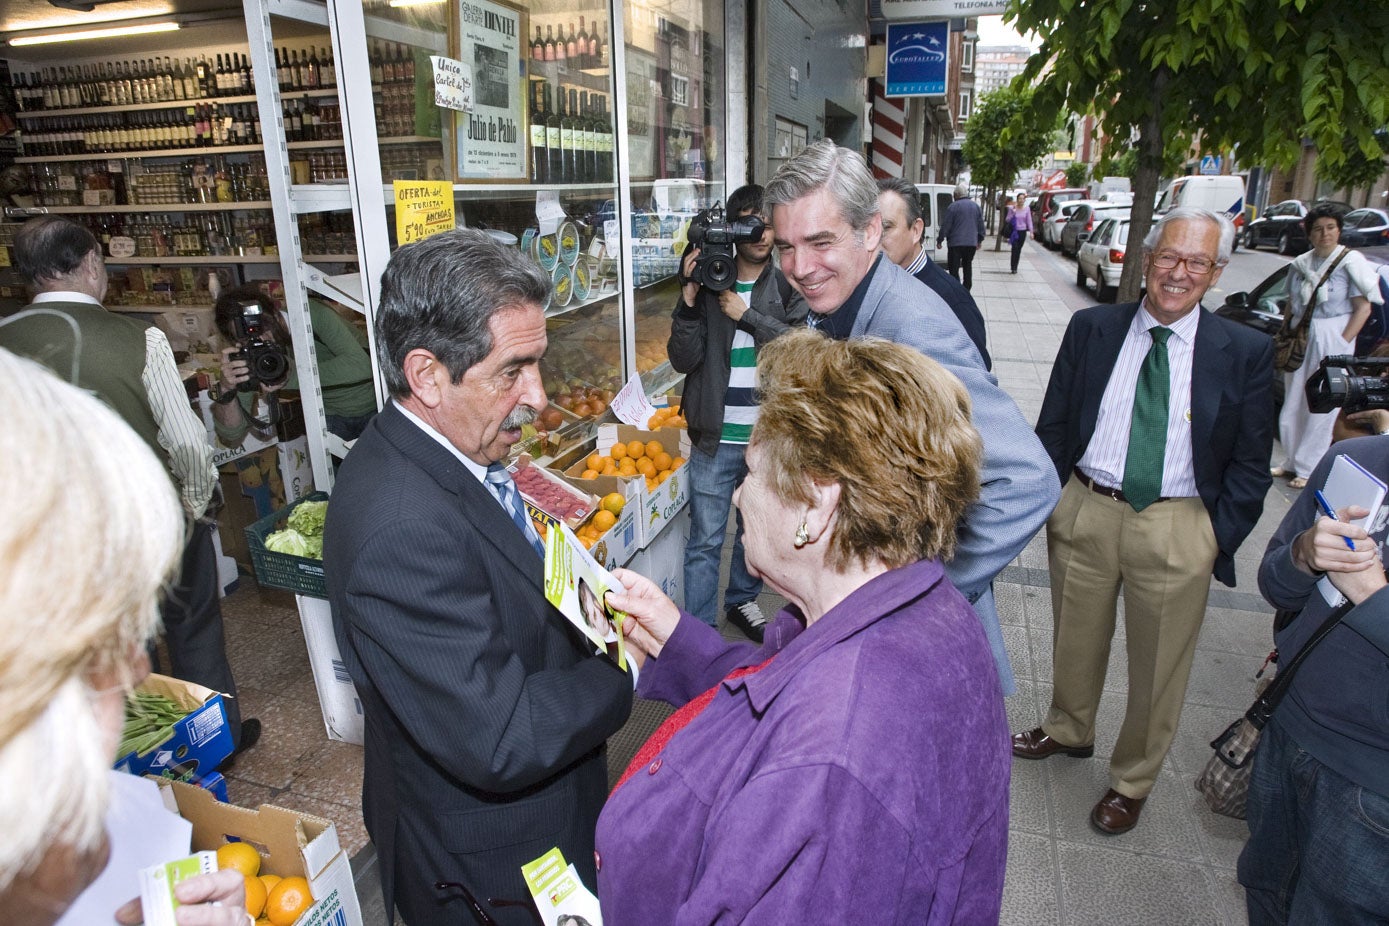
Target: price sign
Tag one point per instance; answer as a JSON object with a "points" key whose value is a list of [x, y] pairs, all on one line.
{"points": [[422, 208]]}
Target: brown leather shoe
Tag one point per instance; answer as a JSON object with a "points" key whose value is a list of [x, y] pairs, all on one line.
{"points": [[1116, 814], [1034, 744]]}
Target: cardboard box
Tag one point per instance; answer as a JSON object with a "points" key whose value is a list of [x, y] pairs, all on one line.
{"points": [[337, 697], [663, 559], [620, 542], [581, 506], [290, 843], [661, 504], [199, 742]]}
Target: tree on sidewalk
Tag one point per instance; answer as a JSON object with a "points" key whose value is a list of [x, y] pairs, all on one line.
{"points": [[1254, 76], [1000, 141]]}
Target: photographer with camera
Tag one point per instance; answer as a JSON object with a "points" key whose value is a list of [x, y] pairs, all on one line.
{"points": [[259, 364], [734, 300]]}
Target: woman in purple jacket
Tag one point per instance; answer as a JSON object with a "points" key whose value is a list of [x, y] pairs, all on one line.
{"points": [[854, 769]]}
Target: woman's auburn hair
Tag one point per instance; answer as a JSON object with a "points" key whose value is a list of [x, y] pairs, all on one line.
{"points": [[886, 423]]}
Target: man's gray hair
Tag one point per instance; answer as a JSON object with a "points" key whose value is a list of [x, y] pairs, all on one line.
{"points": [[961, 192], [1192, 214], [440, 294], [824, 165]]}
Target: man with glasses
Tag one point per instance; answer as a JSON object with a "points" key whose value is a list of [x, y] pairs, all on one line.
{"points": [[827, 232], [1159, 418]]}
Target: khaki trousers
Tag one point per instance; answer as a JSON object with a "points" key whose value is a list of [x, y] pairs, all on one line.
{"points": [[1161, 558]]}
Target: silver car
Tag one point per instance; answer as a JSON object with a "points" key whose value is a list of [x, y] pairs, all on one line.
{"points": [[1101, 257]]}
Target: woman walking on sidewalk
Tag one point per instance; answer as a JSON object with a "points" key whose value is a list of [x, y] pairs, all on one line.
{"points": [[1018, 224]]}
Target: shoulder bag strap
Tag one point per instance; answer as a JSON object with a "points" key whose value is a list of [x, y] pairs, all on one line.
{"points": [[1263, 706], [1306, 320]]}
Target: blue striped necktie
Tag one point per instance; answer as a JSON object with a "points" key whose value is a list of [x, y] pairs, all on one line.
{"points": [[499, 481]]}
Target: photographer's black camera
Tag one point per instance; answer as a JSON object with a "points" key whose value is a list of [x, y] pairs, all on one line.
{"points": [[267, 361], [715, 269], [1356, 384]]}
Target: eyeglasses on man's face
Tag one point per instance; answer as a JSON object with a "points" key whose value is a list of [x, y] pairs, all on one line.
{"points": [[1197, 266]]}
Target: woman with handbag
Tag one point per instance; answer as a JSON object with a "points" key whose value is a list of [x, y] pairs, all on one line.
{"points": [[1318, 803], [1019, 225], [1330, 289]]}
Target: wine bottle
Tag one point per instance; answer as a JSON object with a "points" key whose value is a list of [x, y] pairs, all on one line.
{"points": [[538, 47], [549, 44], [555, 171], [312, 70], [540, 154], [569, 154]]}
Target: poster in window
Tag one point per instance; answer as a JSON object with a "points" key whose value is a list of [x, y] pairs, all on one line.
{"points": [[491, 139]]}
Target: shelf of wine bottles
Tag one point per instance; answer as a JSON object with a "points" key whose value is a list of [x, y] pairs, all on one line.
{"points": [[581, 49], [127, 185], [148, 237], [153, 81], [571, 135]]}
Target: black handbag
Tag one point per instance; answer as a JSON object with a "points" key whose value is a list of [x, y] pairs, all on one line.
{"points": [[1224, 782]]}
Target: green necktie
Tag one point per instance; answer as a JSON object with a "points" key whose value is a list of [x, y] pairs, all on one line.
{"points": [[1148, 428]]}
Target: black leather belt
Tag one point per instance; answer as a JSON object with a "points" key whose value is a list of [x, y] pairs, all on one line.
{"points": [[1108, 491]]}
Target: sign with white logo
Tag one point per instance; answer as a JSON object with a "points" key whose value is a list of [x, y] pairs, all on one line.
{"points": [[916, 59], [1210, 165], [940, 9]]}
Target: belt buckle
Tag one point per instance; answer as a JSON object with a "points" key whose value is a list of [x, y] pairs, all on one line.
{"points": [[1115, 493]]}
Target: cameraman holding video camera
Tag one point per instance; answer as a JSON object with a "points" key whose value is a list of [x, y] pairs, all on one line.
{"points": [[259, 364], [721, 320]]}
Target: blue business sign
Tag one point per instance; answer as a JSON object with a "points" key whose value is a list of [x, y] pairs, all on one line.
{"points": [[916, 58]]}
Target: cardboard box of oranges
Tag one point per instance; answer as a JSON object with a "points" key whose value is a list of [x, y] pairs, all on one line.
{"points": [[291, 850], [665, 490]]}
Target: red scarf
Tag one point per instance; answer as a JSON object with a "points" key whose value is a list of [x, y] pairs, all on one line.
{"points": [[677, 722]]}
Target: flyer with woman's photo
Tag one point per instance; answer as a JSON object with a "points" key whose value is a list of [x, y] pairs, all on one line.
{"points": [[575, 584]]}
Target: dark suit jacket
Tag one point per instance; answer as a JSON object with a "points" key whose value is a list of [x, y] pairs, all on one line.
{"points": [[1231, 412], [486, 715], [961, 303]]}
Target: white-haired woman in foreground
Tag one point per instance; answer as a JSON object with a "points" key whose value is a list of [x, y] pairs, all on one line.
{"points": [[87, 541]]}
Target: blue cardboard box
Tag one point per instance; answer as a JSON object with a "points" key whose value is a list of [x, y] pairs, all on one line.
{"points": [[199, 743]]}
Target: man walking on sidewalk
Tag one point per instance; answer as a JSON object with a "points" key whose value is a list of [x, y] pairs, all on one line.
{"points": [[1159, 418], [962, 231]]}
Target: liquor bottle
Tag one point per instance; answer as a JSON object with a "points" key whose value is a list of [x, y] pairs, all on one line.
{"points": [[555, 171], [561, 49], [549, 44], [590, 128], [538, 47], [280, 69], [407, 65], [569, 154], [571, 48], [247, 81], [605, 142], [312, 70], [377, 68], [329, 77], [540, 155], [580, 55]]}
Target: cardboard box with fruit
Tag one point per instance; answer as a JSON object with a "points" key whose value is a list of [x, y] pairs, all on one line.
{"points": [[296, 872], [665, 490], [551, 494], [186, 736]]}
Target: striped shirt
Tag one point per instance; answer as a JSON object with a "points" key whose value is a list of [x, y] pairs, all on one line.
{"points": [[1108, 451], [739, 403]]}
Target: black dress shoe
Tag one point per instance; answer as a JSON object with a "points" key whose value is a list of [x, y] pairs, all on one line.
{"points": [[1115, 813], [250, 735], [1034, 744]]}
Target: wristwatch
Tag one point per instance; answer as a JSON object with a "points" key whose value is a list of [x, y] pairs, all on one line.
{"points": [[222, 396]]}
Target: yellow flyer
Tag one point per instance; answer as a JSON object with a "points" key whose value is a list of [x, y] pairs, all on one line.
{"points": [[422, 208], [575, 584]]}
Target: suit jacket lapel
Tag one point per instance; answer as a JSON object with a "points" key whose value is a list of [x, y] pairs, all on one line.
{"points": [[1210, 371], [1109, 340], [472, 498]]}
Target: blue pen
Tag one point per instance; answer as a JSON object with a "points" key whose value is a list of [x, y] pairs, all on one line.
{"points": [[1327, 510]]}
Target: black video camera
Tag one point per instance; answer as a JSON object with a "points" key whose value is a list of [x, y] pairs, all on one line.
{"points": [[266, 360], [1356, 384], [715, 269]]}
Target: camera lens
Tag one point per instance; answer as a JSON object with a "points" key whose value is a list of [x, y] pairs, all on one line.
{"points": [[719, 273], [270, 366]]}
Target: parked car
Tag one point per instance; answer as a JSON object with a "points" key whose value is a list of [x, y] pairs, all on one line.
{"points": [[1047, 203], [1281, 226], [935, 199], [1083, 221], [1101, 257], [1365, 228], [1050, 229]]}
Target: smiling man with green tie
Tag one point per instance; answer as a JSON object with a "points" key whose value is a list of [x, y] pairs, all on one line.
{"points": [[1159, 418]]}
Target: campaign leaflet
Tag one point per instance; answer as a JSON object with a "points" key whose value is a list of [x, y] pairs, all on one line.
{"points": [[576, 584]]}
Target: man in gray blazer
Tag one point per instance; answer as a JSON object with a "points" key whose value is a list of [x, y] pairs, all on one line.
{"points": [[486, 711], [827, 229]]}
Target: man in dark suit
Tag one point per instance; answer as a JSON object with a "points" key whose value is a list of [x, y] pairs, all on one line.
{"points": [[903, 227], [1159, 418], [486, 711]]}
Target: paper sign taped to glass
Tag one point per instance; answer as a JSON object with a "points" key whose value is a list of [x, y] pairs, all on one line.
{"points": [[576, 584]]}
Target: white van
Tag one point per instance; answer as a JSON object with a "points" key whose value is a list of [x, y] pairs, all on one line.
{"points": [[1218, 194], [935, 199]]}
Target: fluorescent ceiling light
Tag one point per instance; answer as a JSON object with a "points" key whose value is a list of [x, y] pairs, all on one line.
{"points": [[106, 33]]}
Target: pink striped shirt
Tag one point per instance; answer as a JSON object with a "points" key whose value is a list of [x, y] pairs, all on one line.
{"points": [[1108, 450]]}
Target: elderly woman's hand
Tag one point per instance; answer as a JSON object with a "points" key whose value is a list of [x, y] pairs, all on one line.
{"points": [[214, 899], [651, 615]]}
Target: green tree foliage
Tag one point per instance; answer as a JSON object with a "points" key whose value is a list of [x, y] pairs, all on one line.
{"points": [[1001, 139], [1077, 174], [1256, 76]]}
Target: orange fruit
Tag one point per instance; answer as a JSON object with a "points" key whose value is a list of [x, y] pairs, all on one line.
{"points": [[677, 463], [651, 484], [589, 474], [287, 901], [646, 467], [255, 896], [609, 468], [654, 447], [613, 502], [603, 519], [654, 421], [588, 543], [662, 476], [663, 460], [635, 448], [594, 461], [270, 881], [239, 856], [676, 422], [618, 451]]}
